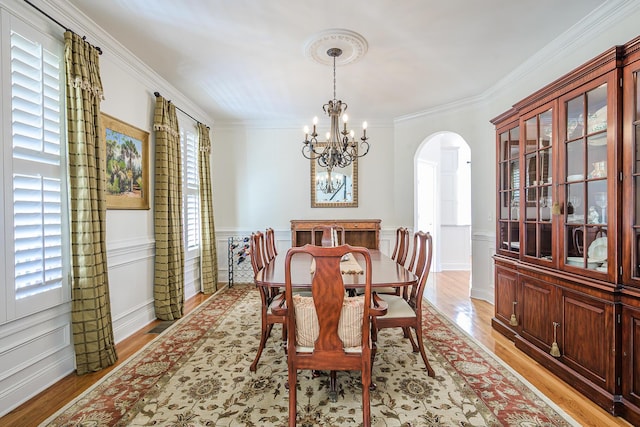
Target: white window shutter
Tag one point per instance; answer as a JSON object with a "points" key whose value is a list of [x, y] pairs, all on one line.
{"points": [[36, 123]]}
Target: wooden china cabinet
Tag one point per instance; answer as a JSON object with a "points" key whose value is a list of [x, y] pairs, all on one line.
{"points": [[567, 263]]}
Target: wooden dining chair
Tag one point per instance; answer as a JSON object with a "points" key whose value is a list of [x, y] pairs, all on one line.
{"points": [[401, 248], [399, 255], [270, 244], [405, 311], [327, 234], [328, 330], [268, 297]]}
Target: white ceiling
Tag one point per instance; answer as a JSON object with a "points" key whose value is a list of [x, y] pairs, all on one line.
{"points": [[243, 60]]}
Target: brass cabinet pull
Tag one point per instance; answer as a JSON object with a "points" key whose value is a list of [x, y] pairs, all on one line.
{"points": [[555, 350], [513, 321]]}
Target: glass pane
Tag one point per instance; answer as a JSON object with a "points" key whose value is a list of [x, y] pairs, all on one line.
{"points": [[545, 240], [514, 182], [504, 146], [596, 243], [515, 141], [574, 244], [597, 109], [597, 156], [544, 204], [504, 235], [546, 129], [531, 242], [532, 197], [515, 236], [575, 205], [636, 190], [635, 85], [637, 145], [504, 175], [505, 197], [597, 197], [531, 134], [545, 166], [575, 161], [636, 263], [575, 112], [515, 207], [531, 175]]}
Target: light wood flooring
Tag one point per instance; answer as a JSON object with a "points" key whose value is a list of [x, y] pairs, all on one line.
{"points": [[449, 291]]}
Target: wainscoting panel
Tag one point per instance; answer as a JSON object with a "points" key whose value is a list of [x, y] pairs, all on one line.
{"points": [[131, 266], [34, 355], [455, 247], [482, 280]]}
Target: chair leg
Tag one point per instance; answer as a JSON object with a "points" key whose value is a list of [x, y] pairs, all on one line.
{"points": [[293, 372], [418, 330], [407, 334], [266, 331], [333, 387], [366, 403]]}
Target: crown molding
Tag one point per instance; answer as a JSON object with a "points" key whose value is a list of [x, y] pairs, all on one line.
{"points": [[579, 35], [81, 24]]}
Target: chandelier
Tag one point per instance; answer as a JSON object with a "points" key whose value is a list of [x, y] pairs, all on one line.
{"points": [[340, 148]]}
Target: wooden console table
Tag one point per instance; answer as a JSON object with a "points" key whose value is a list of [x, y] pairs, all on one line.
{"points": [[358, 232]]}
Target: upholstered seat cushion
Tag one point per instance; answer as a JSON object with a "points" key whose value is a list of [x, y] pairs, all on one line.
{"points": [[398, 307], [349, 325], [385, 290]]}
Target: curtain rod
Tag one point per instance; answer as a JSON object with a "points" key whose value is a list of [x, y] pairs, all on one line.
{"points": [[157, 94], [58, 22]]}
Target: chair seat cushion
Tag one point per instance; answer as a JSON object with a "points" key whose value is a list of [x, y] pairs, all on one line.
{"points": [[386, 290], [398, 307], [351, 350], [349, 325]]}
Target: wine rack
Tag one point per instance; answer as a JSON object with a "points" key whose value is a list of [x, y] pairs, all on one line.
{"points": [[240, 270]]}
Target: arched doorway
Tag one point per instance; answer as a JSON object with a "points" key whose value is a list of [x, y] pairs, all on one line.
{"points": [[442, 174]]}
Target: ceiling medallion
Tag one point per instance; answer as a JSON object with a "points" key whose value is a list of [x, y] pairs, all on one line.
{"points": [[352, 45]]}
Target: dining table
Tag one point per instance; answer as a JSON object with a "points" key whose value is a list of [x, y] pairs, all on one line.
{"points": [[385, 272]]}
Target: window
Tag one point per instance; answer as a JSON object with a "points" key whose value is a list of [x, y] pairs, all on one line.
{"points": [[33, 153], [190, 189]]}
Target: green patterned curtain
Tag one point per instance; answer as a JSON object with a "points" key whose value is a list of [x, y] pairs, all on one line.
{"points": [[90, 309], [208, 253], [168, 287]]}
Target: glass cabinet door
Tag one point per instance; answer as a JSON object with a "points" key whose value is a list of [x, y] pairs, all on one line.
{"points": [[509, 191], [585, 175], [538, 185], [631, 156]]}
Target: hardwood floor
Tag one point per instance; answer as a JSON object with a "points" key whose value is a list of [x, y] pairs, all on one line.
{"points": [[449, 291]]}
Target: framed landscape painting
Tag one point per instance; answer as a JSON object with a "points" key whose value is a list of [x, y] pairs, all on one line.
{"points": [[127, 168]]}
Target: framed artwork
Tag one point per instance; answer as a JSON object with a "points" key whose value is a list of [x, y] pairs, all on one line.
{"points": [[127, 168]]}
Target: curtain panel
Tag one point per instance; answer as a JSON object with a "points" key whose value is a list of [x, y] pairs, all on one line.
{"points": [[208, 252], [168, 287], [91, 310]]}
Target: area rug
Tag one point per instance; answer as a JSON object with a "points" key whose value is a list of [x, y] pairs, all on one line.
{"points": [[196, 373]]}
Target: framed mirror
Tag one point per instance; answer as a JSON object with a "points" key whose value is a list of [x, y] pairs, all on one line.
{"points": [[339, 189]]}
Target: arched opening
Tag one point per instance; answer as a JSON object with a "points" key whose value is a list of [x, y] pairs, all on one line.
{"points": [[442, 174]]}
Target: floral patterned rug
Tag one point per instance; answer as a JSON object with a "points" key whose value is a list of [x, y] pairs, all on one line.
{"points": [[196, 373]]}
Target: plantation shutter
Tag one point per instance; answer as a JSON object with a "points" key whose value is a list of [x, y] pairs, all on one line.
{"points": [[191, 191], [36, 124]]}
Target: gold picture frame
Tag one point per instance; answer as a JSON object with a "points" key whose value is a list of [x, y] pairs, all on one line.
{"points": [[346, 193], [127, 164]]}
